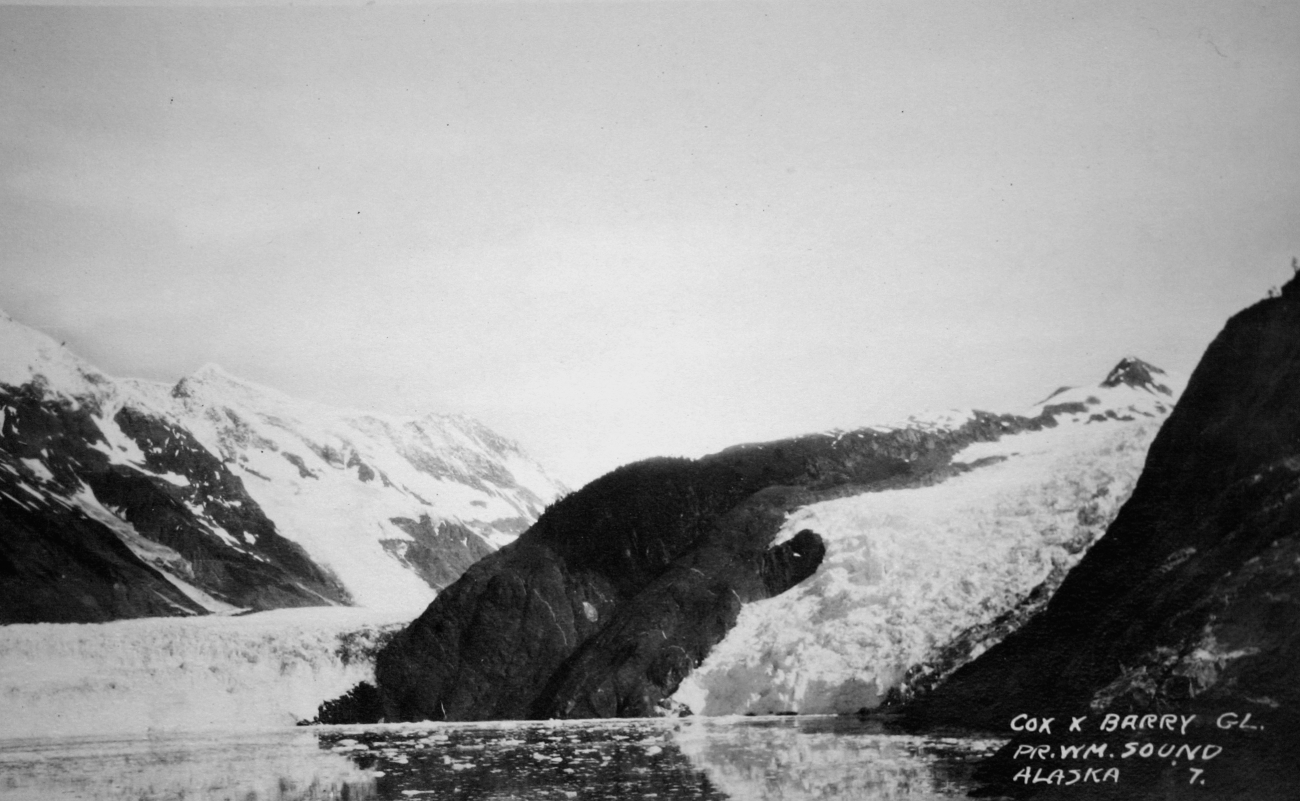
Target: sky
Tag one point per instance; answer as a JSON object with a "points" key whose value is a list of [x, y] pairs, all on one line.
{"points": [[618, 230]]}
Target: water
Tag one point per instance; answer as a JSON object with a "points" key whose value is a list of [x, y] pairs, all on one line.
{"points": [[748, 759]]}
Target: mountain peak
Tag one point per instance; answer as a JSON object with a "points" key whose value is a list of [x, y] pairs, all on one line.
{"points": [[220, 385], [1133, 372], [1132, 388], [30, 355]]}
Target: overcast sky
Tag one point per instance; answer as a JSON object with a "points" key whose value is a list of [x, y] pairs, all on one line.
{"points": [[615, 230]]}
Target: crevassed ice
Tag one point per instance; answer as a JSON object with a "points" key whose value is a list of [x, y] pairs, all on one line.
{"points": [[259, 671], [906, 570]]}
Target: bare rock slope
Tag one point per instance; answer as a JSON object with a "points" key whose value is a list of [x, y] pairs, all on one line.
{"points": [[1190, 603]]}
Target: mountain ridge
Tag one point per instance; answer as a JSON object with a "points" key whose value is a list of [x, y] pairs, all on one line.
{"points": [[622, 589], [213, 474]]}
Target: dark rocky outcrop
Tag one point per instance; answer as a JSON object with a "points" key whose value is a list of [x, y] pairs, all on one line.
{"points": [[1190, 603], [59, 566], [620, 589], [438, 554], [60, 562], [1134, 372]]}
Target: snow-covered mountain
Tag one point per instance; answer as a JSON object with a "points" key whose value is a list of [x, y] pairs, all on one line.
{"points": [[917, 581], [127, 498], [814, 574]]}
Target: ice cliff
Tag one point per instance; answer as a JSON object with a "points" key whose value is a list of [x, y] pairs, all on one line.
{"points": [[262, 671]]}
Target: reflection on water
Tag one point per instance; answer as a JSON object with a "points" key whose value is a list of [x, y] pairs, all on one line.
{"points": [[744, 759], [263, 766], [829, 758]]}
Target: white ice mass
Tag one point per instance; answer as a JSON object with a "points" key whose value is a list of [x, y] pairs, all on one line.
{"points": [[262, 671], [907, 570]]}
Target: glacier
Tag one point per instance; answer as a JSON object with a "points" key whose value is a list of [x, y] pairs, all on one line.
{"points": [[908, 572], [261, 671]]}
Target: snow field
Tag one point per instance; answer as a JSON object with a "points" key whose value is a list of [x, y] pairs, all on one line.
{"points": [[332, 479], [250, 672], [27, 355], [907, 570]]}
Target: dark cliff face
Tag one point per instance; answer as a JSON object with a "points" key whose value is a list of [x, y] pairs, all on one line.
{"points": [[83, 531], [621, 589], [1190, 603]]}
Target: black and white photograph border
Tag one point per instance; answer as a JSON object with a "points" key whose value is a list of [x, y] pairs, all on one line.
{"points": [[679, 399]]}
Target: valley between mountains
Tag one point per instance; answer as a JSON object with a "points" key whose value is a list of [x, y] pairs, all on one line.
{"points": [[832, 572], [1121, 547]]}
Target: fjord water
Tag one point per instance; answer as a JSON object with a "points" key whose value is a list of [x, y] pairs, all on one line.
{"points": [[754, 759]]}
